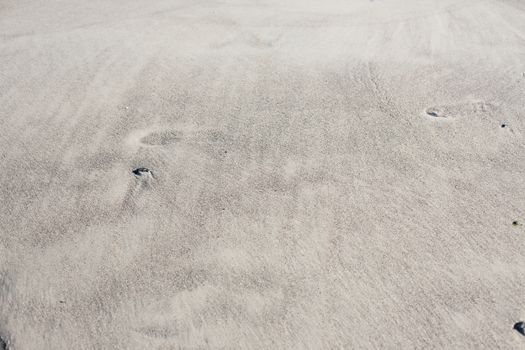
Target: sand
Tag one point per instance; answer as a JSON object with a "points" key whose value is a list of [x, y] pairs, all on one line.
{"points": [[318, 174]]}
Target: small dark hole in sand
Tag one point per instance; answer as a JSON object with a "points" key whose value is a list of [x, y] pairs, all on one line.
{"points": [[515, 223], [3, 344], [503, 125], [520, 327], [141, 171]]}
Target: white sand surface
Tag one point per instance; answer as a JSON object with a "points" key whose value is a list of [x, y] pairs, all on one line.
{"points": [[323, 174]]}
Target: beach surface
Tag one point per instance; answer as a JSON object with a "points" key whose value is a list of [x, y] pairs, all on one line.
{"points": [[262, 174]]}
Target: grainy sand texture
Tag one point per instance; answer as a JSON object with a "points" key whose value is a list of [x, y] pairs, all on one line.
{"points": [[262, 174]]}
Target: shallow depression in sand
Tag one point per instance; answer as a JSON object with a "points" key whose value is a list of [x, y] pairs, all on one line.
{"points": [[161, 138]]}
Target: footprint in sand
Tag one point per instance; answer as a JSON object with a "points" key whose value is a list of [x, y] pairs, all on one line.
{"points": [[460, 110], [155, 144], [162, 138], [158, 137], [152, 138]]}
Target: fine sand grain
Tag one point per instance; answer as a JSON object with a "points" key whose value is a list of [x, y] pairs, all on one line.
{"points": [[265, 174]]}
